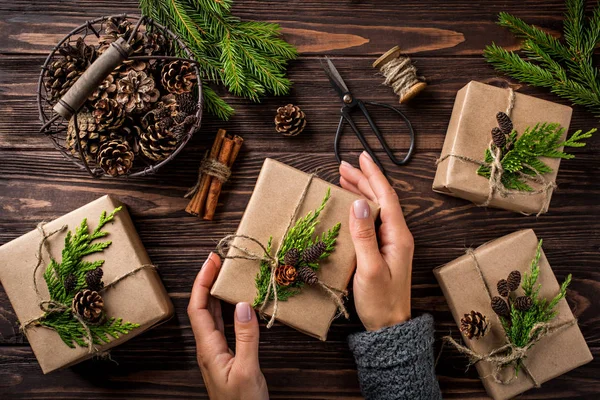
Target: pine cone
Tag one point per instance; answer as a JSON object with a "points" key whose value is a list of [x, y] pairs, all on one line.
{"points": [[502, 287], [88, 304], [116, 157], [285, 275], [523, 303], [157, 141], [474, 325], [93, 279], [108, 114], [290, 120], [312, 253], [181, 129], [136, 91], [292, 257], [514, 280], [178, 77], [500, 306], [72, 63], [90, 136], [504, 123], [155, 43], [308, 275], [70, 283], [107, 89], [187, 103], [499, 138], [121, 27]]}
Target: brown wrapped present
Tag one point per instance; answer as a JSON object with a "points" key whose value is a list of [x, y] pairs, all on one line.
{"points": [[278, 191], [469, 135], [139, 296], [554, 354]]}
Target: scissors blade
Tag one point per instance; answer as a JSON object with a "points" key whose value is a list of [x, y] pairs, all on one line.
{"points": [[334, 77]]}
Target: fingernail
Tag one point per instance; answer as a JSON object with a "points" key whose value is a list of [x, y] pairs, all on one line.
{"points": [[361, 209], [364, 153], [243, 312], [347, 164], [208, 259]]}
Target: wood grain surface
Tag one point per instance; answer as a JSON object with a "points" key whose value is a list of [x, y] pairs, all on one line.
{"points": [[445, 40]]}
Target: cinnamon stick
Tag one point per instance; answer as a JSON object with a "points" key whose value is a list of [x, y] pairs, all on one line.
{"points": [[227, 157], [196, 205]]}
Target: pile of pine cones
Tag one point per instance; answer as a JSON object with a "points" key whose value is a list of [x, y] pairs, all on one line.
{"points": [[141, 111]]}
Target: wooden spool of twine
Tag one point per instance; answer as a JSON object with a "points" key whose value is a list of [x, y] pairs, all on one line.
{"points": [[400, 74]]}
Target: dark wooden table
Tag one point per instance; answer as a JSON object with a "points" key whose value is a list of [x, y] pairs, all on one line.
{"points": [[445, 39]]}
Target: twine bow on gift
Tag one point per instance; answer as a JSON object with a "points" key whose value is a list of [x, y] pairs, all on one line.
{"points": [[226, 244], [497, 171], [508, 354]]}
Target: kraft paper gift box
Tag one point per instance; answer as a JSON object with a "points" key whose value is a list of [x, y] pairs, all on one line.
{"points": [[468, 135], [278, 190], [464, 290], [139, 298]]}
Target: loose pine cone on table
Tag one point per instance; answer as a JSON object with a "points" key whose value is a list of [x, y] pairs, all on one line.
{"points": [[88, 304], [157, 140], [72, 63], [290, 120], [109, 114], [312, 253], [116, 157], [178, 77], [307, 275], [285, 275], [136, 91], [474, 325], [90, 136]]}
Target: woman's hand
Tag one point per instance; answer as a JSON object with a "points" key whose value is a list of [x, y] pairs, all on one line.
{"points": [[226, 376], [383, 273]]}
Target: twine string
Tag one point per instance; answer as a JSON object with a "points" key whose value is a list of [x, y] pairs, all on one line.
{"points": [[211, 167], [226, 244], [400, 74]]}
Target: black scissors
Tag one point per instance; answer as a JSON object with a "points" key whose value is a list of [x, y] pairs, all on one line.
{"points": [[350, 104]]}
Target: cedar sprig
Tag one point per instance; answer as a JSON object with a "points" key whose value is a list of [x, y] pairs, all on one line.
{"points": [[248, 57], [300, 236], [565, 67], [77, 246], [543, 140]]}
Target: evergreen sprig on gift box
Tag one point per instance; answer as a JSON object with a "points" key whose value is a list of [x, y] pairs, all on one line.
{"points": [[248, 57], [565, 67], [71, 278], [299, 257]]}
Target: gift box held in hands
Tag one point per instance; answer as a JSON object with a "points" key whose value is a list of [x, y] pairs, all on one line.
{"points": [[104, 288]]}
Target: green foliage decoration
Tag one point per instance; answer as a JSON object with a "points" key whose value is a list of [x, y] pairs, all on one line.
{"points": [[79, 244], [248, 57], [300, 236], [564, 66]]}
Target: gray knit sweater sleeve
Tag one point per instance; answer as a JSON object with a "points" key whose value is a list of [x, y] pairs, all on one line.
{"points": [[397, 362]]}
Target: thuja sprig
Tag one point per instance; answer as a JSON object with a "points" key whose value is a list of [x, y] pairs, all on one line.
{"points": [[301, 237]]}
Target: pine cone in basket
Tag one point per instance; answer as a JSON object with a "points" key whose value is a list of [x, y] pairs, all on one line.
{"points": [[474, 325], [178, 77], [108, 114], [157, 140], [285, 275], [307, 275], [88, 304], [116, 157], [107, 89], [90, 136], [72, 62], [136, 91], [187, 103], [180, 130], [290, 120], [155, 43], [312, 253]]}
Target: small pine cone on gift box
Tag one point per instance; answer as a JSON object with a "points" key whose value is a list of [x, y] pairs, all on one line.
{"points": [[312, 253], [70, 283], [504, 123], [93, 279], [514, 280], [290, 120], [307, 275], [285, 275], [292, 257], [499, 138], [502, 287], [500, 306], [116, 157], [523, 303], [88, 304], [474, 325]]}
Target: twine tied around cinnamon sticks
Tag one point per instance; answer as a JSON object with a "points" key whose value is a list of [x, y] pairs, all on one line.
{"points": [[508, 354], [496, 172], [50, 306], [226, 244], [214, 171]]}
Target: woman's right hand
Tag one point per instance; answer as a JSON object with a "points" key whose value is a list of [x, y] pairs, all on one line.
{"points": [[382, 281]]}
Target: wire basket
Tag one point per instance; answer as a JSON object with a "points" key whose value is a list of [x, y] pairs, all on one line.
{"points": [[55, 127]]}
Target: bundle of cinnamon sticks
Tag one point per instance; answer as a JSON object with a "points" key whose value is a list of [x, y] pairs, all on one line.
{"points": [[215, 170]]}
